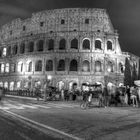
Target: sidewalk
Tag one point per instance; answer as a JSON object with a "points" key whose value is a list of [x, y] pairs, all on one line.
{"points": [[41, 101]]}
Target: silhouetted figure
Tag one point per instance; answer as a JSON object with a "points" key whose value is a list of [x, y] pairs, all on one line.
{"points": [[128, 94], [106, 96]]}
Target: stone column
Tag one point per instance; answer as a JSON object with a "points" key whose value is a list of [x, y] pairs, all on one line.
{"points": [[67, 61], [43, 65], [91, 65], [79, 65], [104, 44]]}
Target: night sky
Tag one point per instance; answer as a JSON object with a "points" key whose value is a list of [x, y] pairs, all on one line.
{"points": [[124, 14]]}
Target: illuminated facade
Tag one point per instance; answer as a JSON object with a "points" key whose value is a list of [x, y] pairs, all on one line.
{"points": [[74, 45]]}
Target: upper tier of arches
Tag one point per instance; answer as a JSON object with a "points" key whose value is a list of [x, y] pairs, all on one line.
{"points": [[63, 44], [57, 20]]}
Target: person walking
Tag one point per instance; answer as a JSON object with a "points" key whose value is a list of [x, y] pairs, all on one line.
{"points": [[37, 91], [101, 98], [106, 96], [134, 97]]}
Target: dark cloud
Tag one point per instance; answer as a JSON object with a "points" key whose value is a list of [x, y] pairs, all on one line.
{"points": [[124, 14]]}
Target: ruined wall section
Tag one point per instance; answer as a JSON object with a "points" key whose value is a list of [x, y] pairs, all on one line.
{"points": [[74, 20]]}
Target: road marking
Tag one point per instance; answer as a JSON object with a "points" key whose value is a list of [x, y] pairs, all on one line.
{"points": [[27, 106], [46, 107], [20, 97], [4, 108], [10, 106], [43, 126]]}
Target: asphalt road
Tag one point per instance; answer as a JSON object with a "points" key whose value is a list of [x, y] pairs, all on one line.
{"points": [[11, 129], [66, 118]]}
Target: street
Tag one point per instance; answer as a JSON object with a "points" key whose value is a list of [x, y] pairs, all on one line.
{"points": [[11, 129], [68, 121]]}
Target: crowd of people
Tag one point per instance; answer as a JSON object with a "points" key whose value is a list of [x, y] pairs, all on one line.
{"points": [[107, 96], [113, 96]]}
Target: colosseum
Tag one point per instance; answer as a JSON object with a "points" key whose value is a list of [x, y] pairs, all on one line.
{"points": [[70, 46]]}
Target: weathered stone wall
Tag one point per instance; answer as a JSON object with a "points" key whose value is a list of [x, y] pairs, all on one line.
{"points": [[74, 20], [47, 25]]}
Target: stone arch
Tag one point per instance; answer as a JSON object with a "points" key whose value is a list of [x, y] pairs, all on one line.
{"points": [[9, 50], [15, 49], [18, 86], [49, 65], [73, 65], [61, 65], [51, 44], [31, 46], [86, 44], [109, 45], [62, 44], [4, 53], [98, 66], [40, 45], [20, 66], [22, 48], [6, 85], [2, 67], [86, 66], [1, 84], [110, 66], [29, 66], [7, 67], [38, 65], [98, 44], [74, 43], [12, 67], [11, 86]]}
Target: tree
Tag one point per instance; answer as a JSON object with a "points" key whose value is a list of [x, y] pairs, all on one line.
{"points": [[127, 73], [134, 74], [139, 71]]}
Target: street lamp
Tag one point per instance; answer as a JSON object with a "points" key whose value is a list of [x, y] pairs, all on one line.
{"points": [[49, 77]]}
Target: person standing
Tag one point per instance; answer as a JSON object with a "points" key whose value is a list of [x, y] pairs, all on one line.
{"points": [[45, 92], [37, 92], [106, 96], [138, 96], [128, 94], [62, 94], [134, 97], [101, 98]]}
